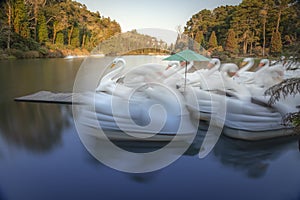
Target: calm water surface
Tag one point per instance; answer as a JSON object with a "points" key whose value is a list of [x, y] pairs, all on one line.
{"points": [[42, 157]]}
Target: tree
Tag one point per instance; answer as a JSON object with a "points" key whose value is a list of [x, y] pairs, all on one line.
{"points": [[231, 42], [221, 17], [42, 29], [75, 38], [60, 40], [35, 6], [264, 13], [199, 38], [21, 24], [281, 6], [276, 43], [9, 13], [213, 43], [245, 22]]}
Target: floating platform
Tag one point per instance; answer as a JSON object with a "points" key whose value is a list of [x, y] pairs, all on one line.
{"points": [[51, 97]]}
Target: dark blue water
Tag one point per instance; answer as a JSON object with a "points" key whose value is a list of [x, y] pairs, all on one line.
{"points": [[42, 157]]}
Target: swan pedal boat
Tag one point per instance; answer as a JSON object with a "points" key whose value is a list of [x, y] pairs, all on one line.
{"points": [[140, 116], [247, 120], [253, 120]]}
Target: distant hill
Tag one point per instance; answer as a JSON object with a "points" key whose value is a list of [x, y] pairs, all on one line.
{"points": [[51, 26]]}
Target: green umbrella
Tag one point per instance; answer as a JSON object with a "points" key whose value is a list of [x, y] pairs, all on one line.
{"points": [[187, 56]]}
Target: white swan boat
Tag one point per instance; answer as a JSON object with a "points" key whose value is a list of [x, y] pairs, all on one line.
{"points": [[248, 114], [136, 106], [142, 105]]}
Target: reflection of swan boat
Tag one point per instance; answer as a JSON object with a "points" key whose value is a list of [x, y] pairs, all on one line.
{"points": [[252, 157]]}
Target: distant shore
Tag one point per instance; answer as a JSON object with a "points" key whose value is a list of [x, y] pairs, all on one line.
{"points": [[41, 53]]}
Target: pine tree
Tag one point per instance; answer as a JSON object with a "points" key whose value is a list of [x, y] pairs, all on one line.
{"points": [[276, 43], [42, 29], [75, 38], [213, 43], [199, 38], [59, 38], [231, 42], [21, 24]]}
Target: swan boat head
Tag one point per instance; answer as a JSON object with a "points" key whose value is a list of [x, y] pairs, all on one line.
{"points": [[264, 63], [246, 64], [107, 81]]}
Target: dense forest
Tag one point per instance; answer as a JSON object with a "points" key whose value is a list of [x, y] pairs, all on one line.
{"points": [[254, 27], [51, 28], [35, 28], [132, 43]]}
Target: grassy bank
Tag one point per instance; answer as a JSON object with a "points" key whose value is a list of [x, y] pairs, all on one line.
{"points": [[42, 52]]}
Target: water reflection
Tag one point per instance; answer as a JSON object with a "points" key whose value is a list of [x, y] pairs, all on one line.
{"points": [[144, 178], [1, 195], [35, 127], [253, 158]]}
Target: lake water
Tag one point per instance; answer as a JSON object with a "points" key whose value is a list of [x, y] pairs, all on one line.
{"points": [[42, 157]]}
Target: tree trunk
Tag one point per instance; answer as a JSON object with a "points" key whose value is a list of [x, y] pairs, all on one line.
{"points": [[245, 47], [9, 22], [264, 38], [83, 40], [54, 34], [278, 20], [35, 12], [70, 35], [245, 43]]}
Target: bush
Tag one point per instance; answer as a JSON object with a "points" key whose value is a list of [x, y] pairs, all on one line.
{"points": [[31, 54], [222, 55], [32, 44], [19, 46], [55, 54], [15, 52], [43, 50]]}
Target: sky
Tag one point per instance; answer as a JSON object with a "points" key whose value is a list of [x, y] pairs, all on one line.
{"points": [[161, 14]]}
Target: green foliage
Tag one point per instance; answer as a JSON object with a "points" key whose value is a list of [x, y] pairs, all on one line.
{"points": [[276, 44], [213, 43], [252, 21], [65, 23], [42, 29], [60, 39], [75, 38], [21, 23], [15, 52], [199, 38], [131, 42], [231, 42], [31, 54]]}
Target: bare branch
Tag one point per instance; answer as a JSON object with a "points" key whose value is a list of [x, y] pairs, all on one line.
{"points": [[287, 87]]}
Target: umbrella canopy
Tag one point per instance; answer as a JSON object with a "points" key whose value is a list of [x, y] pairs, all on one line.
{"points": [[187, 55]]}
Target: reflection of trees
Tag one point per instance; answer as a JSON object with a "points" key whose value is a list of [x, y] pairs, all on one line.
{"points": [[252, 157], [37, 127]]}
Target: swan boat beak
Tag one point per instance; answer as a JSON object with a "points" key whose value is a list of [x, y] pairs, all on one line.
{"points": [[112, 65], [243, 64]]}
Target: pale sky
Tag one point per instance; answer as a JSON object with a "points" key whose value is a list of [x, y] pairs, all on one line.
{"points": [[162, 14]]}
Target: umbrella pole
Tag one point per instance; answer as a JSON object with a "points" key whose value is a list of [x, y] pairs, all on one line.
{"points": [[185, 72]]}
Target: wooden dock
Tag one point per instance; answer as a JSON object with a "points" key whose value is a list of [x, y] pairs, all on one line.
{"points": [[51, 97]]}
